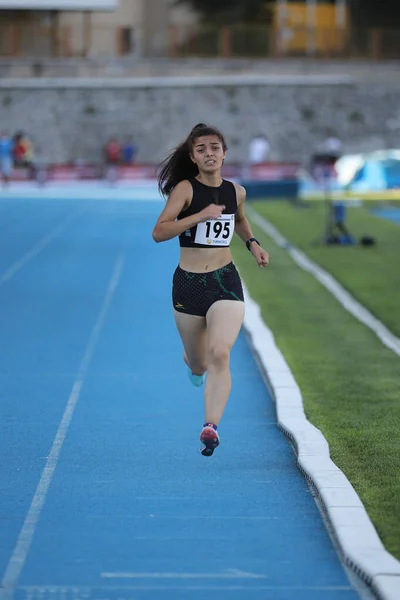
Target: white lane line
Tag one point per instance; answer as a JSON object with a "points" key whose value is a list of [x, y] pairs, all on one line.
{"points": [[346, 300], [227, 574], [20, 552], [167, 518], [41, 590], [37, 248]]}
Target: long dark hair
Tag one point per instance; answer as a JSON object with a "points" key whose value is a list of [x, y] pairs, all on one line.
{"points": [[178, 165]]}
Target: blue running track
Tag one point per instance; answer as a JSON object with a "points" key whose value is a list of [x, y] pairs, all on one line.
{"points": [[104, 493]]}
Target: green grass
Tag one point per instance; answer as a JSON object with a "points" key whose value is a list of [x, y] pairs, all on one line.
{"points": [[349, 380], [370, 274]]}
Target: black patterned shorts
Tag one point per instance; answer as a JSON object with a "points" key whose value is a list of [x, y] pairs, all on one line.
{"points": [[194, 293]]}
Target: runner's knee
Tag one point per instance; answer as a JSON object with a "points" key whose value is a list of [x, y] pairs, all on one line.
{"points": [[197, 365], [218, 355]]}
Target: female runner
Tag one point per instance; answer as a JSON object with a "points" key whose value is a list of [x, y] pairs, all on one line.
{"points": [[204, 211]]}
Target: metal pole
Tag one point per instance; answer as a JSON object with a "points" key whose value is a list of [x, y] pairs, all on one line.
{"points": [[281, 18], [282, 7], [55, 32], [341, 22], [341, 7], [87, 33], [311, 25]]}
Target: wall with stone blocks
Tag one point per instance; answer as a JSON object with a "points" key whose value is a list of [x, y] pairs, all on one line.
{"points": [[73, 121]]}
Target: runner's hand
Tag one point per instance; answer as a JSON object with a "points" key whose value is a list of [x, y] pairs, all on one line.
{"points": [[212, 211], [261, 256]]}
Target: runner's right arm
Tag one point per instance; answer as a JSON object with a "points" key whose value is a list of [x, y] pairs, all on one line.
{"points": [[167, 227]]}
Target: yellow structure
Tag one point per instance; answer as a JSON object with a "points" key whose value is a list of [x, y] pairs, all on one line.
{"points": [[311, 26]]}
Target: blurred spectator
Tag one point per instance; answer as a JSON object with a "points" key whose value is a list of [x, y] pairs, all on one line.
{"points": [[23, 152], [6, 156], [333, 147], [259, 149], [112, 152], [337, 232], [129, 151], [323, 161]]}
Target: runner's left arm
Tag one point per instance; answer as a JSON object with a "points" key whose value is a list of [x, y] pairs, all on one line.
{"points": [[244, 231]]}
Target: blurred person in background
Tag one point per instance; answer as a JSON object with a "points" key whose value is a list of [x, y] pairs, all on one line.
{"points": [[6, 156], [204, 211], [129, 151], [333, 148], [23, 152], [112, 158], [323, 160], [112, 152], [259, 149]]}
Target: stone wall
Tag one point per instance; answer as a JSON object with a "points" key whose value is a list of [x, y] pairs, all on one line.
{"points": [[73, 119]]}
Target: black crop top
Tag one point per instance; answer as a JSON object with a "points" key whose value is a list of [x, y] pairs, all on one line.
{"points": [[216, 233]]}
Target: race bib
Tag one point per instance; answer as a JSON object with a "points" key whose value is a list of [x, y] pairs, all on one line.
{"points": [[216, 232]]}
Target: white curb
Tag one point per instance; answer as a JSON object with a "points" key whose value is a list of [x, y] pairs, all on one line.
{"points": [[356, 538]]}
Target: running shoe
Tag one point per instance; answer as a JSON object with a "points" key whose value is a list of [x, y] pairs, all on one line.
{"points": [[196, 380], [209, 439]]}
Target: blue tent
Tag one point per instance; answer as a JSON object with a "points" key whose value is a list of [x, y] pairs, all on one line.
{"points": [[379, 171]]}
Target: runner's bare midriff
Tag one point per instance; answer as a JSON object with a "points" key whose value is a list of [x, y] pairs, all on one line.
{"points": [[202, 260]]}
